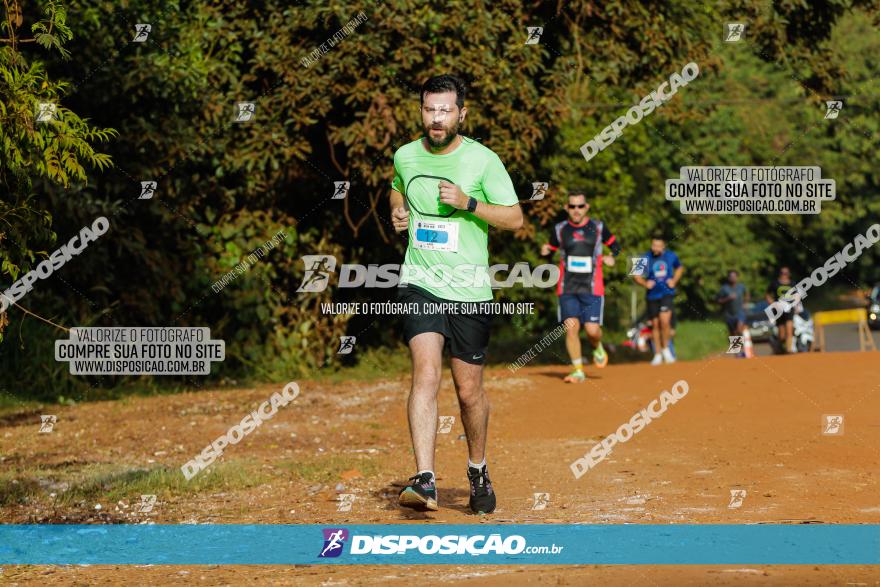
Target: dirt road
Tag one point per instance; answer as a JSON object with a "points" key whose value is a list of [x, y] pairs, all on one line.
{"points": [[744, 424]]}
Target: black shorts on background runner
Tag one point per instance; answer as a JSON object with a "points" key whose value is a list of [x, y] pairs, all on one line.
{"points": [[467, 334], [785, 317], [664, 304]]}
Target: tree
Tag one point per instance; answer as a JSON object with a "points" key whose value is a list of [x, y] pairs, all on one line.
{"points": [[39, 137], [225, 187]]}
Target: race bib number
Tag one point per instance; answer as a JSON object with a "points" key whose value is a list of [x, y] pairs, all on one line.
{"points": [[580, 264], [436, 236]]}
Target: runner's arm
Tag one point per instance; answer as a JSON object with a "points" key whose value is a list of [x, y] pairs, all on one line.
{"points": [[399, 209], [399, 214], [723, 299], [501, 208], [396, 199], [503, 217], [552, 244], [678, 269], [610, 241], [676, 277], [498, 215]]}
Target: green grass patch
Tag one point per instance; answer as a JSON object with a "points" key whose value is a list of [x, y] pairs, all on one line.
{"points": [[11, 405], [694, 340], [372, 363], [16, 489], [697, 339], [111, 483], [327, 469]]}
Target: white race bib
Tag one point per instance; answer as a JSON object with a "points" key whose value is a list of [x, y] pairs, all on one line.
{"points": [[436, 236], [580, 264]]}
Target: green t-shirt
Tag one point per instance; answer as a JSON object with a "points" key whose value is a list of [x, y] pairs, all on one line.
{"points": [[442, 238]]}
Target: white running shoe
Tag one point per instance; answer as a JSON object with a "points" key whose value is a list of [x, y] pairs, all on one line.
{"points": [[667, 355], [657, 360]]}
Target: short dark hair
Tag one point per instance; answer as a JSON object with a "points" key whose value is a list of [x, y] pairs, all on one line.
{"points": [[445, 83], [577, 192], [658, 237]]}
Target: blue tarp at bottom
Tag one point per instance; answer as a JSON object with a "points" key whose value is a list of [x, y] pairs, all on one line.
{"points": [[497, 544]]}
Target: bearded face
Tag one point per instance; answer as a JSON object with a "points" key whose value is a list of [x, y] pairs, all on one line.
{"points": [[440, 119], [440, 132]]}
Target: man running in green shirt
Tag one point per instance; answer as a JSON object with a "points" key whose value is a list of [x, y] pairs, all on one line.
{"points": [[447, 190]]}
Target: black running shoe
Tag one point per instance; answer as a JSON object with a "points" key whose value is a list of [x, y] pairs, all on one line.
{"points": [[482, 496], [420, 494]]}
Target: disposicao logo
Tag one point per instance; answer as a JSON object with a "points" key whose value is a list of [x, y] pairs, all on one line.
{"points": [[334, 541], [432, 544]]}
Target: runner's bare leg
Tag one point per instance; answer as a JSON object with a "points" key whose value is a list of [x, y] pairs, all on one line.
{"points": [[474, 404], [573, 338], [427, 353], [665, 328], [783, 336], [655, 334], [594, 332]]}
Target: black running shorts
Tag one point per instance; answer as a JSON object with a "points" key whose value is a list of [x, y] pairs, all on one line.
{"points": [[466, 333], [785, 317], [664, 304]]}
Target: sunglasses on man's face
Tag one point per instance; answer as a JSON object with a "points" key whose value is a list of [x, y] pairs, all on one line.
{"points": [[578, 206]]}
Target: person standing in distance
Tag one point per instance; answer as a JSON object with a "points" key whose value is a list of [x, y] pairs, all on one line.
{"points": [[447, 190], [777, 289], [663, 272], [581, 289], [733, 296]]}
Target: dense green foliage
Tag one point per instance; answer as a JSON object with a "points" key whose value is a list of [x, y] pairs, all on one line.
{"points": [[54, 150], [224, 188]]}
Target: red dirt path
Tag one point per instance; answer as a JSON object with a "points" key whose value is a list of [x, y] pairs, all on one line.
{"points": [[753, 425]]}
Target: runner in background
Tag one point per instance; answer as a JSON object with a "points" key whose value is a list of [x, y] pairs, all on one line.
{"points": [[663, 271], [581, 288], [732, 296], [785, 323]]}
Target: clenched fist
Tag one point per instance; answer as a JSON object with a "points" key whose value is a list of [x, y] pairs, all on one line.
{"points": [[400, 219], [452, 195]]}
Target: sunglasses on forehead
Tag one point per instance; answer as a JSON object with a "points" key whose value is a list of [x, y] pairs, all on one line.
{"points": [[571, 206]]}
